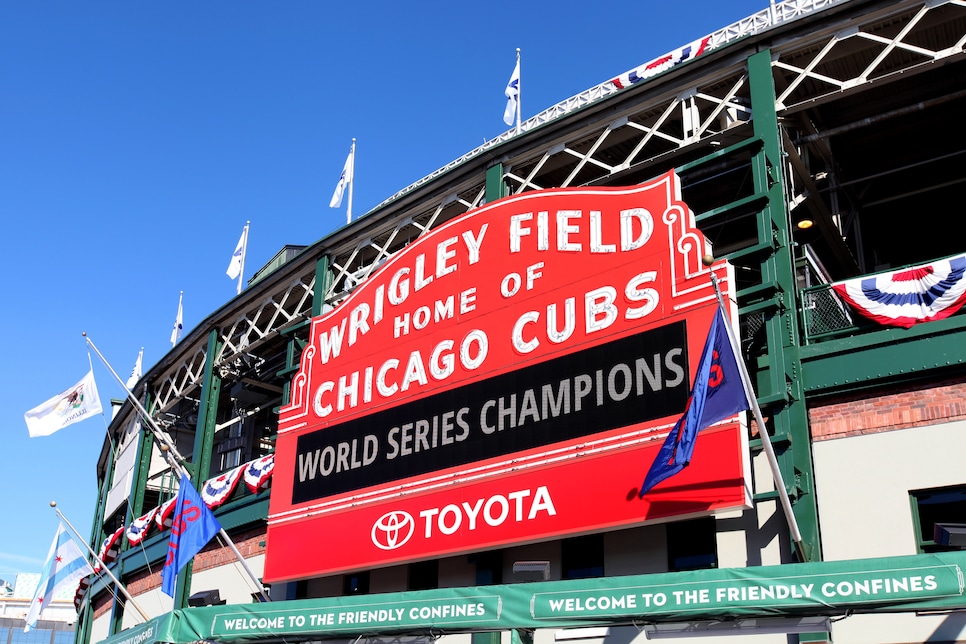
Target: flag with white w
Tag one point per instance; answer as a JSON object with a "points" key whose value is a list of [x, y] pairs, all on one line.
{"points": [[512, 111], [137, 371], [345, 179], [66, 564], [237, 263], [178, 321]]}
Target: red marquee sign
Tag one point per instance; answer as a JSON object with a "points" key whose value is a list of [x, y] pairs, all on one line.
{"points": [[507, 378]]}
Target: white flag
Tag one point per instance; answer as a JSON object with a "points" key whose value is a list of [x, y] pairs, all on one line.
{"points": [[512, 92], [136, 371], [76, 404], [178, 323], [65, 566], [238, 257], [344, 180]]}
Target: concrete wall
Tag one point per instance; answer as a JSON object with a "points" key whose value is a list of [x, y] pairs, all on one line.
{"points": [[863, 484]]}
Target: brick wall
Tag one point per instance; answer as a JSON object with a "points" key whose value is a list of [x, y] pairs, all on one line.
{"points": [[249, 544], [103, 603], [885, 410]]}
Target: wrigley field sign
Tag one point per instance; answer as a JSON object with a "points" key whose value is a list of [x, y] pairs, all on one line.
{"points": [[508, 377]]}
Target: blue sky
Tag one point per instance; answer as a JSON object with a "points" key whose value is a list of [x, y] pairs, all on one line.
{"points": [[136, 139]]}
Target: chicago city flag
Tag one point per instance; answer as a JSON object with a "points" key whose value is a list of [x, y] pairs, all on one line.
{"points": [[192, 528], [717, 393], [66, 564], [76, 404]]}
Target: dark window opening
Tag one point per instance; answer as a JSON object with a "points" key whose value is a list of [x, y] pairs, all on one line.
{"points": [[489, 567], [356, 583], [424, 575], [938, 506], [691, 545], [582, 557], [302, 589]]}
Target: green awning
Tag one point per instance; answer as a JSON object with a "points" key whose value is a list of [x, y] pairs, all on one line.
{"points": [[893, 584], [825, 588], [159, 629]]}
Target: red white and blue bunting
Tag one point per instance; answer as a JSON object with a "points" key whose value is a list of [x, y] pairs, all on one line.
{"points": [[658, 65], [162, 519], [140, 526], [215, 492], [110, 548], [258, 473], [906, 297]]}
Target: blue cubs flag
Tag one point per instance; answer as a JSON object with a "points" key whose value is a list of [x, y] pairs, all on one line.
{"points": [[192, 528], [717, 393]]}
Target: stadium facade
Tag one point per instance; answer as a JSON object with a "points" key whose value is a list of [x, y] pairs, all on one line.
{"points": [[462, 390]]}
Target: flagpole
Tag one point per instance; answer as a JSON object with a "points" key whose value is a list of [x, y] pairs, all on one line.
{"points": [[519, 92], [762, 430], [352, 180], [163, 438], [241, 273], [103, 566], [170, 452]]}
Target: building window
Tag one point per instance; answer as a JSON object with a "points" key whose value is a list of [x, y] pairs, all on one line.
{"points": [[582, 557], [940, 505], [424, 575], [301, 589], [691, 545], [230, 459], [356, 584], [489, 567]]}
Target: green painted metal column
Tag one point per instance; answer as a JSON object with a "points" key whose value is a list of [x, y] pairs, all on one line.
{"points": [[204, 443], [82, 633], [496, 188], [142, 467], [135, 508], [780, 388], [322, 281], [207, 413]]}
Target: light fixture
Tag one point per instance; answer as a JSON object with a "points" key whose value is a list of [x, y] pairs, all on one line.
{"points": [[805, 224], [582, 633], [531, 570], [950, 534], [206, 598], [743, 627]]}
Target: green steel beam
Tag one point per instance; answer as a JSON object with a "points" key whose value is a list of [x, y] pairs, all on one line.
{"points": [[117, 614], [860, 361], [83, 632], [98, 527], [729, 151], [496, 188], [207, 412], [322, 281], [134, 509], [200, 468], [142, 467], [780, 374]]}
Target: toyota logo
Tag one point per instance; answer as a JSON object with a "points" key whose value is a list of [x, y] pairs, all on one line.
{"points": [[392, 530]]}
